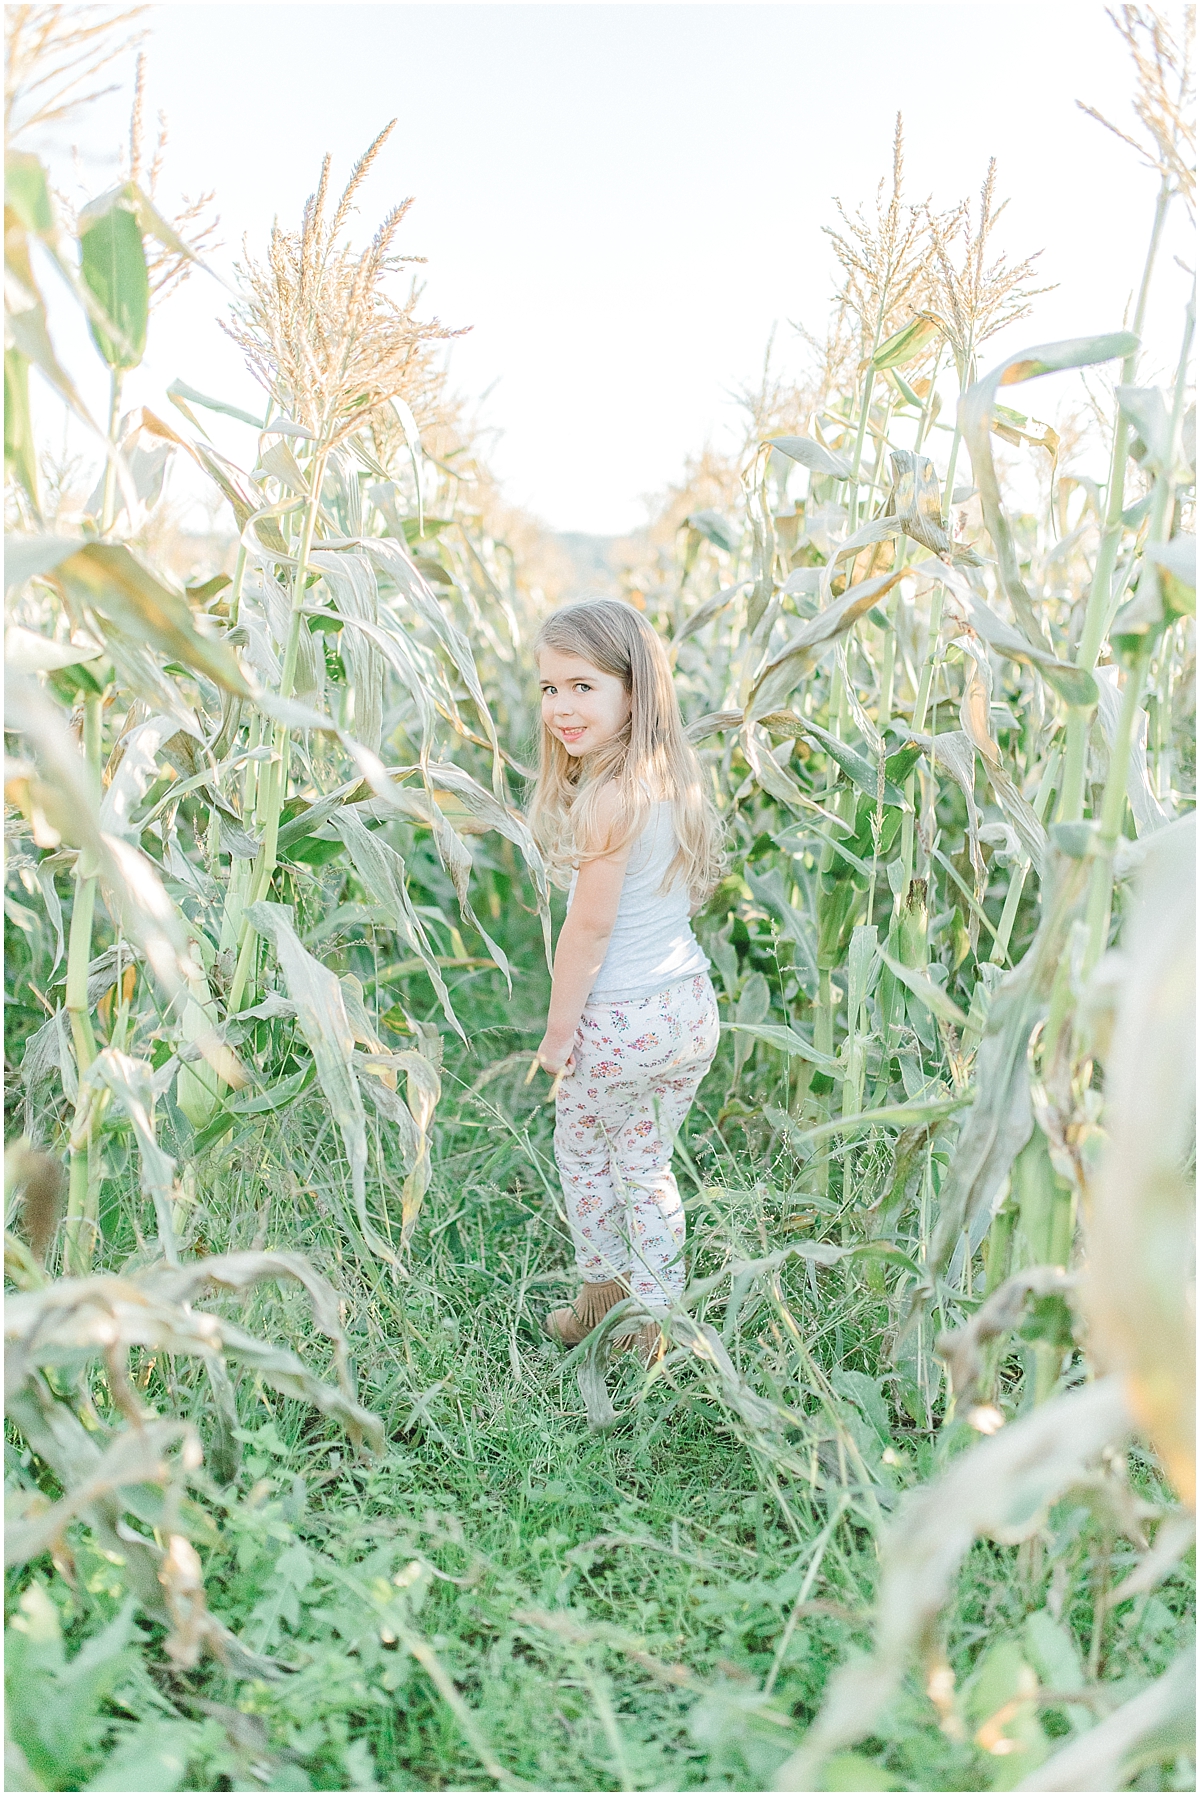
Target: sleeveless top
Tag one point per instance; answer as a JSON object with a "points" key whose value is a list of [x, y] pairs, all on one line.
{"points": [[652, 945]]}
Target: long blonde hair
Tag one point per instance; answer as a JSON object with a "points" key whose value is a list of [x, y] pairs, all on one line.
{"points": [[649, 759]]}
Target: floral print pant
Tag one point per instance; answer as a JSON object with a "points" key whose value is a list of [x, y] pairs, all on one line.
{"points": [[637, 1067]]}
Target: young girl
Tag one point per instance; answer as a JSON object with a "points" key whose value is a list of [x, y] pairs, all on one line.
{"points": [[633, 1025]]}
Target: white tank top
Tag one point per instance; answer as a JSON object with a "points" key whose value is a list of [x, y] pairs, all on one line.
{"points": [[652, 945]]}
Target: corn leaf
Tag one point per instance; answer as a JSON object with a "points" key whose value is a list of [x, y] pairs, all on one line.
{"points": [[716, 528], [812, 456], [1000, 1120], [1159, 1723], [704, 613], [137, 1456], [108, 581], [131, 1083], [785, 671], [1137, 1290], [976, 416], [788, 1041], [906, 344], [923, 988], [321, 1014], [383, 876], [112, 266]]}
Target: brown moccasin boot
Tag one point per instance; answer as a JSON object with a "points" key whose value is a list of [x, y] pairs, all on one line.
{"points": [[576, 1320]]}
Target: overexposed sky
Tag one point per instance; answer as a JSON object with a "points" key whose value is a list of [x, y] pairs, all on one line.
{"points": [[624, 200]]}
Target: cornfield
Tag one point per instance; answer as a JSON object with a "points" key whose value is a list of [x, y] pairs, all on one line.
{"points": [[299, 1496]]}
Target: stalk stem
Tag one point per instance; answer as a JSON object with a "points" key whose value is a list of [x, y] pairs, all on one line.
{"points": [[78, 1244], [1096, 615], [79, 954], [109, 499], [274, 777], [1112, 814]]}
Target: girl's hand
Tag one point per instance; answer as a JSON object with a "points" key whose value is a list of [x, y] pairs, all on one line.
{"points": [[555, 1057]]}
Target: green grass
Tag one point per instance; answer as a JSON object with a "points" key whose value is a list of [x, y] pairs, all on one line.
{"points": [[658, 1606]]}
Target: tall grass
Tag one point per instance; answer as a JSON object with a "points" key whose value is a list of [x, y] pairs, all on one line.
{"points": [[906, 1504]]}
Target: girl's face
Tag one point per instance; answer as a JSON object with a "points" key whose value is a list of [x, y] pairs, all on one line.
{"points": [[581, 706]]}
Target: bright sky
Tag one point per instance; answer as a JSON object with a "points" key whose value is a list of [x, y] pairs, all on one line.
{"points": [[624, 200]]}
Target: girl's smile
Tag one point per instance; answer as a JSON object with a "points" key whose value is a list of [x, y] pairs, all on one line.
{"points": [[581, 706]]}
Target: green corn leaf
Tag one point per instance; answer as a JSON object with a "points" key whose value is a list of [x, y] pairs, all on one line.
{"points": [[112, 267], [931, 996], [788, 1041], [704, 614], [131, 1083], [885, 1116], [26, 330], [27, 193], [251, 1103], [1000, 1120], [183, 396], [321, 1014], [906, 344], [976, 414], [818, 636], [20, 450], [108, 580], [382, 872], [811, 455], [855, 766], [1002, 1490], [716, 528]]}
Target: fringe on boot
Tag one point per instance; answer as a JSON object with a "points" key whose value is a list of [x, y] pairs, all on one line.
{"points": [[576, 1320]]}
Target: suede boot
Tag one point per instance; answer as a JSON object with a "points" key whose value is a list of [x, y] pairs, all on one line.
{"points": [[575, 1321]]}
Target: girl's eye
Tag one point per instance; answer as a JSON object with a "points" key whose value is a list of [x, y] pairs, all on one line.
{"points": [[581, 686]]}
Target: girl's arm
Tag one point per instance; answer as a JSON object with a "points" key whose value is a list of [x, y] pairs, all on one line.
{"points": [[582, 945]]}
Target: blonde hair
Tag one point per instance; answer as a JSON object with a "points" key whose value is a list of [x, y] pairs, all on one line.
{"points": [[649, 759]]}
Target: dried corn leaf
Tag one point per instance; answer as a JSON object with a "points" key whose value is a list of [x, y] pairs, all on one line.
{"points": [[136, 772], [137, 1456], [106, 581], [1074, 684], [424, 1088], [878, 530], [997, 1316], [916, 500]]}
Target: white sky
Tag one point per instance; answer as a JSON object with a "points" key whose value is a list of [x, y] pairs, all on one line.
{"points": [[623, 200]]}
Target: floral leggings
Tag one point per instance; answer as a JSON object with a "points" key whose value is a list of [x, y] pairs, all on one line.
{"points": [[637, 1067]]}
